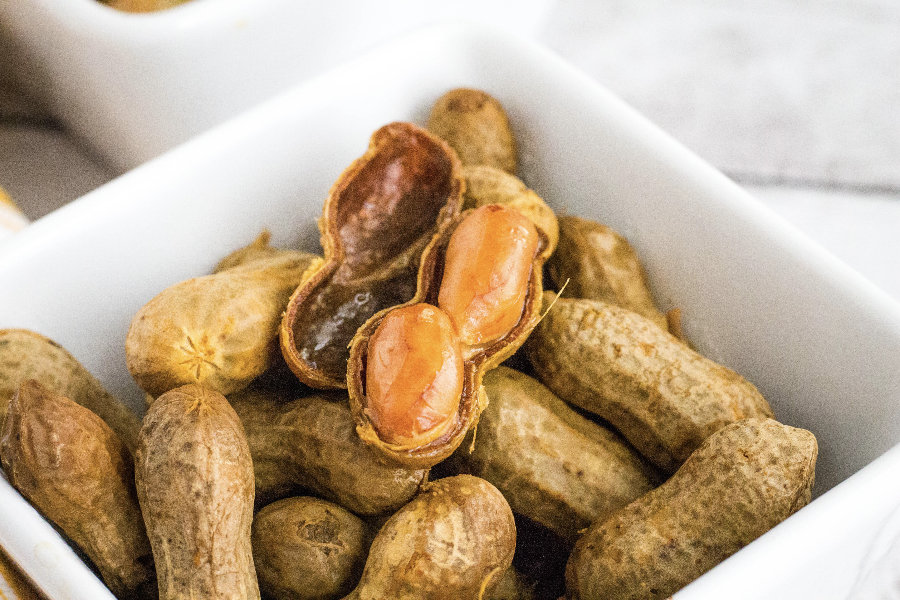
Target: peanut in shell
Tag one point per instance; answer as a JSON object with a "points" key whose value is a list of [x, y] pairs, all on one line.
{"points": [[663, 397], [742, 481]]}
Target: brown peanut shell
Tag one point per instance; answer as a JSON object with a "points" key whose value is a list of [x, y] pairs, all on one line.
{"points": [[308, 549], [72, 467], [194, 480], [551, 464], [657, 392], [477, 359], [379, 215], [218, 330], [745, 479], [600, 264], [476, 126], [27, 355], [451, 542], [311, 443]]}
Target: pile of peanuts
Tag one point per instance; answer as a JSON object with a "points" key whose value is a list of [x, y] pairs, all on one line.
{"points": [[604, 459]]}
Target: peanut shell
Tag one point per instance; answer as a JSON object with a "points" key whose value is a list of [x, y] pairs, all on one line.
{"points": [[28, 355], [551, 464], [745, 479], [379, 215], [661, 395]]}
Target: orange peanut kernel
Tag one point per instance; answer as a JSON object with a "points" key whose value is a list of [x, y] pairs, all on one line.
{"points": [[486, 270], [414, 374]]}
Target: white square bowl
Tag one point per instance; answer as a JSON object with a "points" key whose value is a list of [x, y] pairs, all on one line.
{"points": [[134, 85], [821, 343]]}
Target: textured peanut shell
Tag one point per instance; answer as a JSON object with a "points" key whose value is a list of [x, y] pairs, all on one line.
{"points": [[477, 360], [551, 464], [76, 471], [28, 355], [488, 185], [310, 443], [219, 330], [661, 395], [143, 6], [449, 543], [476, 126], [510, 585], [745, 479], [378, 217], [308, 549], [194, 480], [600, 264]]}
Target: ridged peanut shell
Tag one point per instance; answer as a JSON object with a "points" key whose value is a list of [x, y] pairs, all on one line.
{"points": [[308, 549], [600, 264], [194, 480], [310, 443], [449, 543], [745, 479], [552, 465], [27, 355], [73, 468], [657, 392], [378, 217], [477, 359], [476, 126]]}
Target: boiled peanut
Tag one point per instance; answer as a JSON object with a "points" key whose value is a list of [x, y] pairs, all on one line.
{"points": [[600, 264], [194, 480], [451, 542], [28, 355], [310, 443], [551, 464], [74, 469], [476, 126], [745, 479], [308, 549], [661, 395], [219, 330]]}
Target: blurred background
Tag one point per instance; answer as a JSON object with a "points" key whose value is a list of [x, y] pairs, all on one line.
{"points": [[797, 102]]}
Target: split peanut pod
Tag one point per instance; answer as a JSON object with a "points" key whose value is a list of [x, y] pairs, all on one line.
{"points": [[661, 395], [600, 264], [311, 443], [745, 479], [551, 464], [451, 542], [476, 126], [308, 549], [28, 355], [194, 481], [415, 370], [378, 217], [73, 468], [218, 330]]}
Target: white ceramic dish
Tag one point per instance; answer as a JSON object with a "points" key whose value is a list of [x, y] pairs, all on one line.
{"points": [[819, 340], [134, 85]]}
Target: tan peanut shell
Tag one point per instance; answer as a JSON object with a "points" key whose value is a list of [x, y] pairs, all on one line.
{"points": [[477, 359], [76, 471], [28, 355], [661, 395], [449, 543], [378, 217], [310, 443], [510, 585], [600, 264], [476, 126], [489, 185], [551, 464], [308, 549], [194, 480], [142, 6], [219, 330], [745, 479]]}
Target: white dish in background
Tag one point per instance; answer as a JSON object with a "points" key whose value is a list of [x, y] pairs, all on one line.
{"points": [[820, 341], [135, 85]]}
